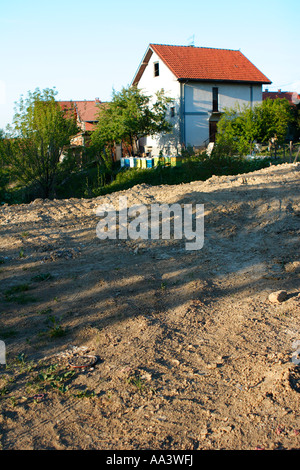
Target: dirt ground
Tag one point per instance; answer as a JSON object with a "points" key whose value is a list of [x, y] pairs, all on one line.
{"points": [[190, 352]]}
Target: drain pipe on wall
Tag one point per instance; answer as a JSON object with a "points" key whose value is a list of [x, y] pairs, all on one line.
{"points": [[182, 111]]}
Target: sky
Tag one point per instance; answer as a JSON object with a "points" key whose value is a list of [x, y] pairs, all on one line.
{"points": [[85, 50]]}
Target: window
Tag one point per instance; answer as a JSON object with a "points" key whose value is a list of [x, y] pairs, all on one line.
{"points": [[215, 99], [172, 111], [156, 69]]}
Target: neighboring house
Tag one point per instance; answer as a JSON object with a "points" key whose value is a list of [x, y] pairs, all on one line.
{"points": [[202, 82], [292, 96], [86, 114]]}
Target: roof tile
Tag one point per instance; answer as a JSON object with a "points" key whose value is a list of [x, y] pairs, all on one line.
{"points": [[201, 63]]}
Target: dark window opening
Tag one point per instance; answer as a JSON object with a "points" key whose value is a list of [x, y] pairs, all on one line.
{"points": [[213, 127], [215, 99], [156, 69], [172, 111]]}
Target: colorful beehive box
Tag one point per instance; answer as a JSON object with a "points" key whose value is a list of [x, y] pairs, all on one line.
{"points": [[149, 162], [176, 161], [155, 161]]}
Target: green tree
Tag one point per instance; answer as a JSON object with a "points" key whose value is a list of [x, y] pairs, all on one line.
{"points": [[272, 119], [236, 131], [4, 178], [40, 131], [129, 116], [239, 128]]}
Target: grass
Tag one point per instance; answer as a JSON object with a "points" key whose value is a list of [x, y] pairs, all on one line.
{"points": [[17, 294], [86, 183]]}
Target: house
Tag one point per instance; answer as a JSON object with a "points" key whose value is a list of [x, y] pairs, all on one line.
{"points": [[202, 82], [86, 115], [292, 96]]}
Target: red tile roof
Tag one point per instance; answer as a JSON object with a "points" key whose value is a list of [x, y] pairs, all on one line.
{"points": [[291, 96], [201, 63], [88, 110], [85, 111]]}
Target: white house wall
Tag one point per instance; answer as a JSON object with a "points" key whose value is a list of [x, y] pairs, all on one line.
{"points": [[198, 106], [149, 85]]}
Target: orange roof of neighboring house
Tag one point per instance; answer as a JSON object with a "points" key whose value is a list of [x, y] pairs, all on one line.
{"points": [[89, 126], [85, 111], [202, 63], [88, 110], [292, 96]]}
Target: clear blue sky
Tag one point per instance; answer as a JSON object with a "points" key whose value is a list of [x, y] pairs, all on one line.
{"points": [[85, 49]]}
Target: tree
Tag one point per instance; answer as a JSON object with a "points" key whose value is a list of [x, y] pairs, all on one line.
{"points": [[272, 119], [129, 116], [235, 131], [34, 143], [239, 128]]}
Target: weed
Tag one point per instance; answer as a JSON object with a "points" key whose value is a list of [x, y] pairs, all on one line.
{"points": [[45, 311], [13, 401], [22, 299], [85, 394], [24, 234], [17, 289], [16, 294], [3, 391], [55, 329], [138, 382], [53, 379], [42, 277], [5, 334], [21, 253]]}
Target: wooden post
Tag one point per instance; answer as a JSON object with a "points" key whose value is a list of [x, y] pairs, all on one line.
{"points": [[297, 155]]}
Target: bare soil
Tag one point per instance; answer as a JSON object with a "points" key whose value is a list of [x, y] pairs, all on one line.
{"points": [[190, 352]]}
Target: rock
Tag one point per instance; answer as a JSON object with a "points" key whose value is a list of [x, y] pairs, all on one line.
{"points": [[174, 362], [212, 365], [146, 376], [37, 201], [278, 296]]}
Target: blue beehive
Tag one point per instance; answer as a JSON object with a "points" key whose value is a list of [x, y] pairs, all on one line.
{"points": [[149, 162]]}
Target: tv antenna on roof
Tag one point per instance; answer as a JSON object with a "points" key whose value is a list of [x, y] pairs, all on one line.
{"points": [[191, 40]]}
